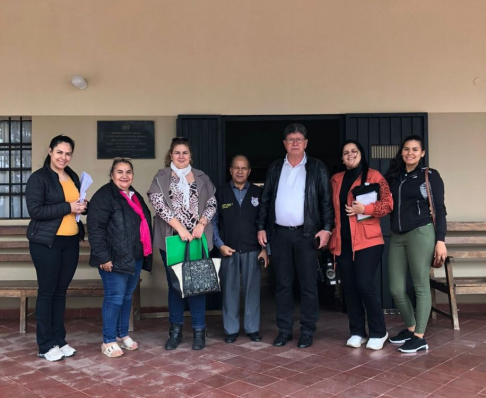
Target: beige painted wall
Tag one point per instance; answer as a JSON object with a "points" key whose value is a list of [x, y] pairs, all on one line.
{"points": [[457, 145], [166, 57]]}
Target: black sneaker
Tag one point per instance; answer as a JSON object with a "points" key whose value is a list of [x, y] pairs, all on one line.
{"points": [[401, 337], [413, 345]]}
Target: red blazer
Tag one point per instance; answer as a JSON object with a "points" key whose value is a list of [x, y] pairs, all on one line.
{"points": [[364, 233]]}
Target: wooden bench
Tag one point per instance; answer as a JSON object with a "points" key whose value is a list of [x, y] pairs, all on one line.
{"points": [[465, 241], [24, 289]]}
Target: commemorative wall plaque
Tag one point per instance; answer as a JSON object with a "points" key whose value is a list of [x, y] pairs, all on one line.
{"points": [[126, 138]]}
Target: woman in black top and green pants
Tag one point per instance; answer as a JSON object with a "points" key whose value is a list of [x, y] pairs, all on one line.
{"points": [[414, 242]]}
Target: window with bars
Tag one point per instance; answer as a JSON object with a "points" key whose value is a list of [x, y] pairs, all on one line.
{"points": [[15, 165]]}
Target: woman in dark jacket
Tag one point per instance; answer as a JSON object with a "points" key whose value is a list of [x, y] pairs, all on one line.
{"points": [[52, 196], [414, 242], [120, 235]]}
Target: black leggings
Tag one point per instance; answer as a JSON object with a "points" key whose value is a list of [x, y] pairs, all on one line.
{"points": [[55, 267], [358, 279]]}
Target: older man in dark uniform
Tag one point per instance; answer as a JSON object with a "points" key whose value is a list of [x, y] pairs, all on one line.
{"points": [[235, 235]]}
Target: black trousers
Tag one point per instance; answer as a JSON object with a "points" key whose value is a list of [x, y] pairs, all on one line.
{"points": [[55, 267], [293, 252], [358, 279]]}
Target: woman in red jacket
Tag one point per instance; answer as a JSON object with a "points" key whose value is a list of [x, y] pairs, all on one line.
{"points": [[357, 244]]}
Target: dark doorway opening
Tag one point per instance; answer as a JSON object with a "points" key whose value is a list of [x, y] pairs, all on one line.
{"points": [[260, 138]]}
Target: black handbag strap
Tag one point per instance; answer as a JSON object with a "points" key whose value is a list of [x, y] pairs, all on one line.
{"points": [[187, 256], [204, 256]]}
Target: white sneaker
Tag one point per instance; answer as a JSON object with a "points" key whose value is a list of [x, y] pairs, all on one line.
{"points": [[376, 343], [54, 354], [355, 341], [67, 350]]}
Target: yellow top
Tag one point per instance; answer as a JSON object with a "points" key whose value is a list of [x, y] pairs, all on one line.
{"points": [[68, 226]]}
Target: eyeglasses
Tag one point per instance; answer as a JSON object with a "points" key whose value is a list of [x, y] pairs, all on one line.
{"points": [[183, 139], [297, 140], [121, 159]]}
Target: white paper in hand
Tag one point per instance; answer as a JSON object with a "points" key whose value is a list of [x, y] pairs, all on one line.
{"points": [[85, 181], [366, 199]]}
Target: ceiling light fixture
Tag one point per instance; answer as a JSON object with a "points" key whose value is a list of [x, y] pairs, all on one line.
{"points": [[79, 82]]}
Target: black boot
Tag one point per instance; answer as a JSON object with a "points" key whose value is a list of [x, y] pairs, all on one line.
{"points": [[199, 339], [175, 336]]}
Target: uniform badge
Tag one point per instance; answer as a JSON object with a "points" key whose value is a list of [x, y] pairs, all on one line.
{"points": [[254, 201]]}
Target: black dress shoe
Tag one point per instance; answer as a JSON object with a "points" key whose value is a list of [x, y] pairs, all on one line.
{"points": [[230, 338], [255, 336], [281, 339], [305, 341]]}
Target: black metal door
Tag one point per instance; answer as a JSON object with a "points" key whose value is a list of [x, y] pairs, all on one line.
{"points": [[381, 136], [207, 142]]}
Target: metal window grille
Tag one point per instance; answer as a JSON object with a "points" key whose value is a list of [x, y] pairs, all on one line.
{"points": [[15, 165], [384, 151]]}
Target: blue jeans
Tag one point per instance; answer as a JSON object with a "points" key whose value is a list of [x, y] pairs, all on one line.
{"points": [[117, 302], [197, 304]]}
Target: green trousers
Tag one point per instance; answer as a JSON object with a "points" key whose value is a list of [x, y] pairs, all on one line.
{"points": [[412, 251]]}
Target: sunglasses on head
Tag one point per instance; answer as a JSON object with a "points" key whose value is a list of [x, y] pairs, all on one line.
{"points": [[122, 159], [183, 139]]}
